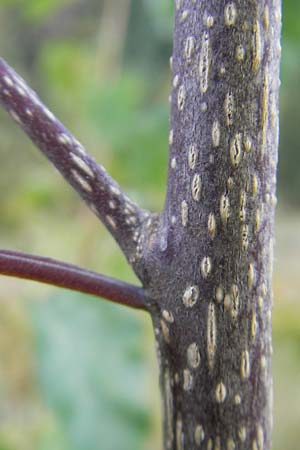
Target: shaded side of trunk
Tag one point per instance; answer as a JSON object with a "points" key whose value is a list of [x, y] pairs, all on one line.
{"points": [[209, 256]]}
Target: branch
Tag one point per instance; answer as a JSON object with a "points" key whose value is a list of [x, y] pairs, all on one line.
{"points": [[103, 195], [57, 273]]}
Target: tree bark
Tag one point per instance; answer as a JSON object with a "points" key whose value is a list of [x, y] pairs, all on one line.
{"points": [[205, 262], [208, 264]]}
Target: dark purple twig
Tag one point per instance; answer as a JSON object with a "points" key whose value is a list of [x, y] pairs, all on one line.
{"points": [[103, 195], [57, 273]]}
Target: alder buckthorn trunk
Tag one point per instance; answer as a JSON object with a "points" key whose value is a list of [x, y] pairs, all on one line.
{"points": [[210, 257], [205, 261]]}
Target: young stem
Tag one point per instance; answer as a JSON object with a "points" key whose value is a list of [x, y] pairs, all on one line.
{"points": [[57, 273], [121, 216]]}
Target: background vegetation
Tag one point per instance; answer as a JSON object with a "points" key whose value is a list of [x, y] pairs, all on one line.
{"points": [[77, 373]]}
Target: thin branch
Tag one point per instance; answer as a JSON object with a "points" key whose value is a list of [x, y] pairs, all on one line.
{"points": [[57, 273], [122, 217]]}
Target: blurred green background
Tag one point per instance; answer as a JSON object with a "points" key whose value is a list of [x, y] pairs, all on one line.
{"points": [[77, 373]]}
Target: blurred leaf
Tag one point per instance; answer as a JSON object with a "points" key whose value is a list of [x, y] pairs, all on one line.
{"points": [[291, 14], [289, 152], [36, 10], [91, 372], [135, 127]]}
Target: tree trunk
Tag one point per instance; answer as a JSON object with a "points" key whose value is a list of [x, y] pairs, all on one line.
{"points": [[207, 264]]}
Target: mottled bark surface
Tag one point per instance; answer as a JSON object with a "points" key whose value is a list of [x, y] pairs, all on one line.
{"points": [[210, 272]]}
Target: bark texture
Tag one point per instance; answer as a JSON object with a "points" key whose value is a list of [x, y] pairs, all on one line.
{"points": [[209, 262]]}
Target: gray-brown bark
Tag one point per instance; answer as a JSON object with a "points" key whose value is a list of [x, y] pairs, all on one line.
{"points": [[206, 261], [210, 276]]}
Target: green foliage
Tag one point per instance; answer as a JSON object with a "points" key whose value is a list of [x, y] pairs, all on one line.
{"points": [[289, 156], [35, 10], [291, 14], [91, 372], [127, 120]]}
